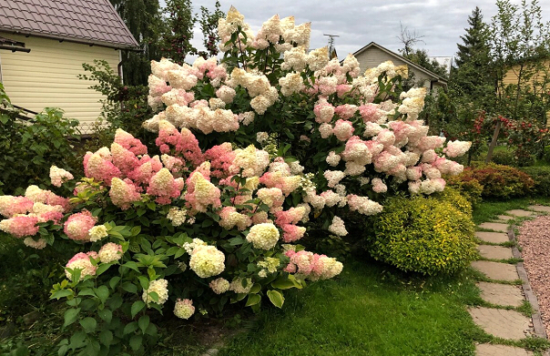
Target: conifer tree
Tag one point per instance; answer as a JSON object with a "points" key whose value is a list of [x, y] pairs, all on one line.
{"points": [[472, 75]]}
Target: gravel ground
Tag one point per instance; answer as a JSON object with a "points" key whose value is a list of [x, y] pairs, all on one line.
{"points": [[534, 239]]}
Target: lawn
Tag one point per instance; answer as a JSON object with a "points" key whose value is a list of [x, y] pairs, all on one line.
{"points": [[370, 310]]}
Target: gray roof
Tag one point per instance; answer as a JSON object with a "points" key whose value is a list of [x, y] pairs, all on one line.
{"points": [[85, 21]]}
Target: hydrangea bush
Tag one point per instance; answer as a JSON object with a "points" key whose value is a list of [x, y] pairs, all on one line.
{"points": [[192, 229], [357, 136], [253, 149]]}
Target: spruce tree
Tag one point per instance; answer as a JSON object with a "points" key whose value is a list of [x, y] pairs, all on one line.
{"points": [[472, 75]]}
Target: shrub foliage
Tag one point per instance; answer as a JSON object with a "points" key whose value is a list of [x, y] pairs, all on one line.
{"points": [[423, 235]]}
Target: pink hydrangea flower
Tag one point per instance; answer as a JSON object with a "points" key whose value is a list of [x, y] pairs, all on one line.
{"points": [[20, 226], [345, 111], [293, 233], [324, 112], [99, 168], [78, 226], [343, 130], [129, 142], [164, 186], [123, 193], [10, 205], [369, 112], [59, 176], [81, 261], [221, 158]]}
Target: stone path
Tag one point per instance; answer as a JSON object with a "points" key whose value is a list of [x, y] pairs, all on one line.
{"points": [[501, 291]]}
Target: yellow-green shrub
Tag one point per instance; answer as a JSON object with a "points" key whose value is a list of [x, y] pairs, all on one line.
{"points": [[455, 198], [425, 235]]}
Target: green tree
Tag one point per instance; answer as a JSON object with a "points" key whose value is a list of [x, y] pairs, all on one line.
{"points": [[420, 57], [178, 30], [520, 43], [143, 19], [472, 75], [209, 27]]}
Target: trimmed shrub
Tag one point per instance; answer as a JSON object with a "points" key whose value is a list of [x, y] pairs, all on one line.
{"points": [[424, 235], [541, 177], [468, 188], [498, 181], [504, 157]]}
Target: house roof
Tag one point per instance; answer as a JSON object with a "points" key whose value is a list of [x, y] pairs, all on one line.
{"points": [[84, 21], [400, 57]]}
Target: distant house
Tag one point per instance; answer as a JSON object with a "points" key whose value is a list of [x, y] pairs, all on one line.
{"points": [[61, 35], [373, 54]]}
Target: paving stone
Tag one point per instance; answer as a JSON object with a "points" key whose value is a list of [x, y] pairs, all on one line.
{"points": [[541, 208], [500, 350], [521, 213], [496, 270], [501, 294], [494, 226], [495, 252], [506, 324], [492, 237]]}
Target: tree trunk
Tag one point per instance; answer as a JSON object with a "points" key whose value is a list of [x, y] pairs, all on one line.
{"points": [[493, 143]]}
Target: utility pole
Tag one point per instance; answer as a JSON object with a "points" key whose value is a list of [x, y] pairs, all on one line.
{"points": [[330, 43]]}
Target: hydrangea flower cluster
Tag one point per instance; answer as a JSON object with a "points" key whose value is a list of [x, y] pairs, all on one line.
{"points": [[385, 145]]}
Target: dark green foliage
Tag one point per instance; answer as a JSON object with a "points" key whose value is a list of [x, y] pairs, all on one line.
{"points": [[420, 57], [504, 157], [29, 148], [541, 177], [424, 235], [143, 19]]}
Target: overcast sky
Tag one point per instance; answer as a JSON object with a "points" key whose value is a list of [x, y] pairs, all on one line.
{"points": [[358, 22]]}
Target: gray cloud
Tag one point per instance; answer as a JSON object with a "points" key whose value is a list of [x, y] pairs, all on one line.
{"points": [[440, 22]]}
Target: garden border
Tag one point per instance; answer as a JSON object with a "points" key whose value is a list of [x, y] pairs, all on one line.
{"points": [[538, 325]]}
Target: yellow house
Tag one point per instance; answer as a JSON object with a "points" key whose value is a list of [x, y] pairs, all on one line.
{"points": [[43, 45]]}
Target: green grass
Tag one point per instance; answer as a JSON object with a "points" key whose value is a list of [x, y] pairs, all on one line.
{"points": [[488, 210], [369, 310]]}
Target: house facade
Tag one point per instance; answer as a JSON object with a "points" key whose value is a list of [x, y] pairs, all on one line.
{"points": [[61, 35], [373, 54]]}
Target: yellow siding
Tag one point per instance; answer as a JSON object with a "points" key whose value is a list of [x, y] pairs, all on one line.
{"points": [[47, 76]]}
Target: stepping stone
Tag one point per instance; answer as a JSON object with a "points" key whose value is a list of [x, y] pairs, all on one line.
{"points": [[501, 294], [494, 226], [497, 271], [495, 252], [500, 350], [505, 218], [541, 208], [492, 237], [506, 324], [521, 213]]}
